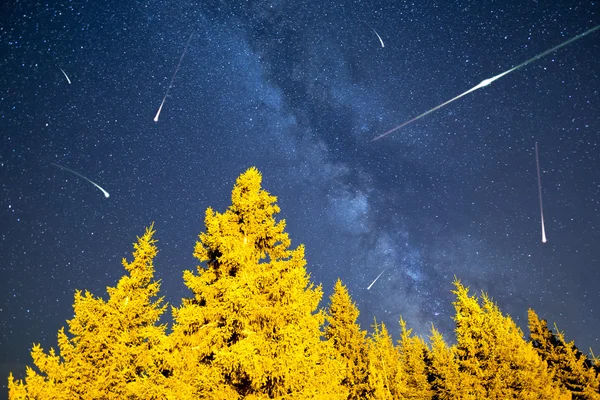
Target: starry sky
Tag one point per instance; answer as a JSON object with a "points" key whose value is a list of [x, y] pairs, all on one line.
{"points": [[299, 89]]}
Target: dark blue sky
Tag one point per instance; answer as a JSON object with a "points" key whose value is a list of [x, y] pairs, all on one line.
{"points": [[299, 89]]}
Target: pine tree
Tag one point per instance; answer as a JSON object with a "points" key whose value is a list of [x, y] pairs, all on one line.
{"points": [[349, 341], [414, 357], [386, 379], [446, 380], [595, 362], [253, 320], [572, 368], [114, 351], [494, 359]]}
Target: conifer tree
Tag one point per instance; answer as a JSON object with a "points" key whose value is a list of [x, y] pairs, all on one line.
{"points": [[387, 380], [253, 319], [115, 345], [349, 341], [494, 359], [571, 367], [414, 357], [447, 382], [595, 362]]}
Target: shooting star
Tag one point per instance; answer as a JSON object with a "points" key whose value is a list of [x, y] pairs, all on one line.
{"points": [[172, 79], [488, 81], [537, 163], [372, 283], [81, 176], [379, 37], [65, 74]]}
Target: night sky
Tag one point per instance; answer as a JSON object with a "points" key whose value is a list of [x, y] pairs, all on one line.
{"points": [[299, 89]]}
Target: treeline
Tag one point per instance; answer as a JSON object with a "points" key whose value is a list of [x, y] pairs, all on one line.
{"points": [[252, 329]]}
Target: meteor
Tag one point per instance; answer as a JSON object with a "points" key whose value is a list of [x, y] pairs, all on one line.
{"points": [[81, 176], [488, 81], [65, 74], [372, 283], [537, 163], [172, 78], [378, 37]]}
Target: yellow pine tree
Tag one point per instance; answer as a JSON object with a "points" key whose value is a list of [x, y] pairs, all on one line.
{"points": [[349, 341], [115, 345], [387, 380], [253, 320], [571, 367], [414, 356], [494, 359], [447, 383]]}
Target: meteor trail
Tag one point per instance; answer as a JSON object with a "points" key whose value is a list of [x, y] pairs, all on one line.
{"points": [[172, 78], [372, 283], [81, 176], [65, 74], [537, 163], [379, 37], [486, 82]]}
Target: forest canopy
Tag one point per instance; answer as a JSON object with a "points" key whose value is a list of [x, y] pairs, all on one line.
{"points": [[252, 328]]}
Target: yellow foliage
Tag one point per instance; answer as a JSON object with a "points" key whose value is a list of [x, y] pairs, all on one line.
{"points": [[494, 359], [386, 377], [414, 355], [114, 349], [447, 382], [253, 318], [572, 369], [252, 329], [349, 341]]}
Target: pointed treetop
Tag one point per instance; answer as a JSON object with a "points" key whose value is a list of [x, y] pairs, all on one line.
{"points": [[144, 251], [247, 232], [251, 202], [342, 306]]}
